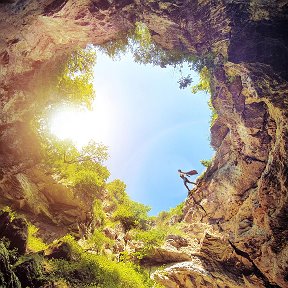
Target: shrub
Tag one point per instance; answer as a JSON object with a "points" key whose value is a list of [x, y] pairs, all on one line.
{"points": [[151, 239], [204, 83], [206, 163], [90, 270], [214, 114], [131, 214], [116, 191], [97, 241], [99, 216], [34, 243], [164, 217]]}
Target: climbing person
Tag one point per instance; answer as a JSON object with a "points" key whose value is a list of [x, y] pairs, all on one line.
{"points": [[185, 179]]}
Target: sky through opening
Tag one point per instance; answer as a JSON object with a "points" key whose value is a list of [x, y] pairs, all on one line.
{"points": [[151, 127]]}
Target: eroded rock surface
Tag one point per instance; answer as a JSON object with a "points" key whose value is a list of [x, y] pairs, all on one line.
{"points": [[243, 195]]}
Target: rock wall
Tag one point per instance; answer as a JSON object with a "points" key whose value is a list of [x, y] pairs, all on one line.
{"points": [[243, 194]]}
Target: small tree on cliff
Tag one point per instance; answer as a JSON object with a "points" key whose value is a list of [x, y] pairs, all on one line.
{"points": [[83, 170]]}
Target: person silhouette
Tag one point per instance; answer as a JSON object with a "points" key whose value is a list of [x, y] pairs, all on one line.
{"points": [[185, 179]]}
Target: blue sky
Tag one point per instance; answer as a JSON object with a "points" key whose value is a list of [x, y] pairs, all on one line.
{"points": [[152, 129]]}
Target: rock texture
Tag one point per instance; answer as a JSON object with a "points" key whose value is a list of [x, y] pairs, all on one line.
{"points": [[244, 191], [15, 231], [243, 195], [7, 276], [17, 269]]}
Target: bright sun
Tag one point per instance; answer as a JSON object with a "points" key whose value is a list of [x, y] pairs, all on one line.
{"points": [[81, 126], [73, 125]]}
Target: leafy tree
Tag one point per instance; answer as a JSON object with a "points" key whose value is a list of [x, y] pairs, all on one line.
{"points": [[75, 81], [116, 191], [83, 170], [151, 239], [99, 215], [117, 47], [131, 214], [184, 81], [163, 218], [97, 241], [145, 51]]}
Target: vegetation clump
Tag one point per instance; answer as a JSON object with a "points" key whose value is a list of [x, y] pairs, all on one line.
{"points": [[75, 80], [139, 42], [206, 163], [34, 243], [90, 270]]}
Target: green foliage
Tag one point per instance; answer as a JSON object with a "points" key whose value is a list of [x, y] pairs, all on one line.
{"points": [[34, 243], [131, 214], [74, 85], [147, 52], [83, 170], [75, 81], [117, 47], [142, 35], [140, 43], [184, 81], [204, 83], [130, 42], [177, 211], [151, 239], [98, 213], [164, 217], [97, 241], [116, 191], [214, 114], [62, 153], [12, 214], [90, 270], [206, 163]]}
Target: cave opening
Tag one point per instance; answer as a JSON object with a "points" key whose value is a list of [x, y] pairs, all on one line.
{"points": [[244, 192], [151, 127]]}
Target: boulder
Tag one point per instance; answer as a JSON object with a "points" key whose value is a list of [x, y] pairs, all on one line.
{"points": [[16, 232], [61, 250], [30, 274]]}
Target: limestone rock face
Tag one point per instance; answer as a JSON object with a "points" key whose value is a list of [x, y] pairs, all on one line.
{"points": [[210, 260], [244, 191], [175, 249], [243, 195]]}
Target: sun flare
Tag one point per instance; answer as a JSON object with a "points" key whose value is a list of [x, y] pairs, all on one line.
{"points": [[79, 126]]}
